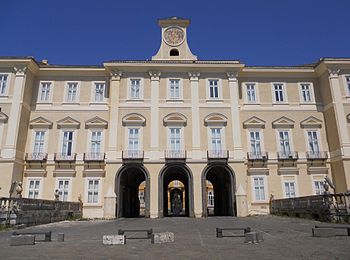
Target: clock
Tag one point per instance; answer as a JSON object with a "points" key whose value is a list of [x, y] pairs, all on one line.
{"points": [[174, 36]]}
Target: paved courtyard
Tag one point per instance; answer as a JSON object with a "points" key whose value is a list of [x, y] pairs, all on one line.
{"points": [[285, 238]]}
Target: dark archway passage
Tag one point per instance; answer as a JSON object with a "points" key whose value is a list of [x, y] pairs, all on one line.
{"points": [[169, 173], [222, 179], [128, 181]]}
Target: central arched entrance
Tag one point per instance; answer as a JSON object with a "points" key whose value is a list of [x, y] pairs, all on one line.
{"points": [[218, 190], [133, 192], [173, 199]]}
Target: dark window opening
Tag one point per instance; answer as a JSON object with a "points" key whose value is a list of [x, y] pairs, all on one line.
{"points": [[174, 52]]}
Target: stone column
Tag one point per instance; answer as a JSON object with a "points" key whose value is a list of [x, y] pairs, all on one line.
{"points": [[236, 123], [241, 202], [114, 87], [9, 150], [155, 77], [109, 204], [194, 80]]}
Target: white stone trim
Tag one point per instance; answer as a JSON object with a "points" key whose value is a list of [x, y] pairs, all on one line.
{"points": [[49, 101]]}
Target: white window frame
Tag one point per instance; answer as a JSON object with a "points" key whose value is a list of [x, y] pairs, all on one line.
{"points": [[87, 190], [34, 131], [140, 98], [209, 199], [346, 85], [290, 137], [222, 134], [249, 130], [284, 93], [254, 199], [314, 180], [245, 88], [77, 97], [69, 186], [60, 146], [126, 140], [93, 92], [219, 97], [284, 188], [318, 138], [182, 141], [180, 97], [40, 186], [8, 80], [311, 90], [89, 141], [49, 100]]}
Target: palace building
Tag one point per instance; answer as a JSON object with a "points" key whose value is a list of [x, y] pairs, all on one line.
{"points": [[173, 135]]}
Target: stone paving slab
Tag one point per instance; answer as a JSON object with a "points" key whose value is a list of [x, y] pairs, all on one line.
{"points": [[284, 238]]}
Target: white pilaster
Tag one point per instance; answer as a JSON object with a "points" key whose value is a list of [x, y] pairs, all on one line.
{"points": [[155, 77], [113, 114], [339, 111], [9, 150], [236, 122], [194, 79]]}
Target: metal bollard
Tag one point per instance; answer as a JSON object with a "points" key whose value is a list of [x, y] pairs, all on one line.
{"points": [[218, 232]]}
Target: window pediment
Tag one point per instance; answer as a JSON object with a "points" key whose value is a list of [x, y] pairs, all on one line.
{"points": [[215, 119], [254, 122], [3, 117], [40, 122], [283, 122], [175, 119], [68, 122], [134, 119], [311, 122], [96, 122]]}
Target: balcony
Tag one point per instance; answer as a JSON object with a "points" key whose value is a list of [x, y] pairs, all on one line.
{"points": [[62, 157], [132, 155], [175, 154], [287, 156], [317, 155], [36, 157], [217, 154], [258, 156], [94, 157]]}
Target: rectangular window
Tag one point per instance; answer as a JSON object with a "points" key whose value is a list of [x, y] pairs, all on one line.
{"points": [[133, 139], [99, 92], [255, 145], [347, 78], [319, 189], [259, 188], [39, 142], [45, 90], [313, 141], [251, 94], [3, 85], [142, 198], [210, 198], [72, 90], [216, 144], [174, 89], [63, 189], [289, 189], [96, 140], [93, 188], [67, 144], [279, 92], [284, 142], [306, 92], [175, 139], [135, 88], [213, 88], [33, 191]]}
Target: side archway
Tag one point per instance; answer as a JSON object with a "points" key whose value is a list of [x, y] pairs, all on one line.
{"points": [[127, 183], [222, 178]]}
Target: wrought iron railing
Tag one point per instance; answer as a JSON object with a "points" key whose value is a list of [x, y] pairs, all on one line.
{"points": [[133, 154], [65, 157], [175, 154], [97, 157], [217, 154], [36, 157], [287, 155], [317, 155], [257, 156]]}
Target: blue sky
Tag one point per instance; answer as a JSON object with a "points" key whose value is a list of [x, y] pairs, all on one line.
{"points": [[257, 32]]}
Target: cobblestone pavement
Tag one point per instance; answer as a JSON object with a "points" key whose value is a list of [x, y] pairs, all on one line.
{"points": [[284, 238]]}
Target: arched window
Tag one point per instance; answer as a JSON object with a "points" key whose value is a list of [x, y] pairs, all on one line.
{"points": [[174, 52]]}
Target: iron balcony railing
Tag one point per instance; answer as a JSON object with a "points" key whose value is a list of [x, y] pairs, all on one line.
{"points": [[175, 154], [217, 154], [317, 155], [287, 155], [36, 157], [96, 157], [65, 157], [257, 156], [133, 154]]}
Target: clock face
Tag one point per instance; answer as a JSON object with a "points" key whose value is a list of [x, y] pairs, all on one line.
{"points": [[174, 36]]}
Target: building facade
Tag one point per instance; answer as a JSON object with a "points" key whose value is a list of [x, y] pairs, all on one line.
{"points": [[127, 137]]}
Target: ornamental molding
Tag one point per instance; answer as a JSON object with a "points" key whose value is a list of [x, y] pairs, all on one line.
{"points": [[40, 122], [283, 122], [254, 122], [3, 118], [333, 72], [175, 119], [194, 75], [311, 122], [96, 122], [134, 119], [116, 74], [232, 75], [154, 75], [215, 119], [68, 122], [20, 70]]}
